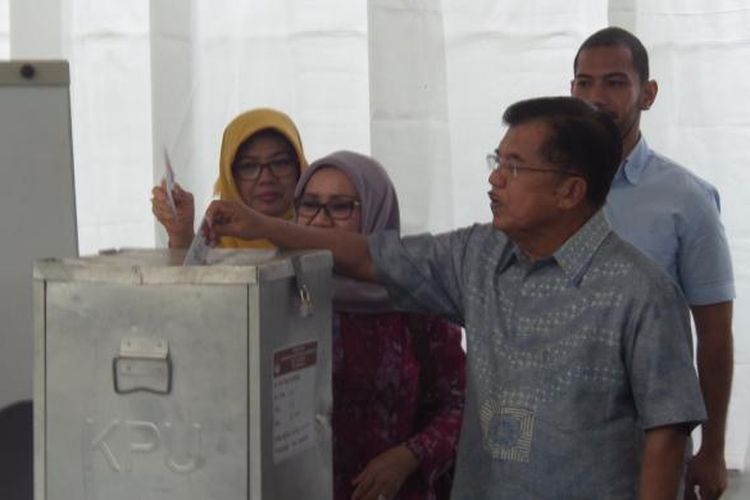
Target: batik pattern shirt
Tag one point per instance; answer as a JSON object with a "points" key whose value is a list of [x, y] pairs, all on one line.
{"points": [[569, 358]]}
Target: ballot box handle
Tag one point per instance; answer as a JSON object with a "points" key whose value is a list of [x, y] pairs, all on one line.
{"points": [[142, 365]]}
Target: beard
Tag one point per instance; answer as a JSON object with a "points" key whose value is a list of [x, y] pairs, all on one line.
{"points": [[627, 124]]}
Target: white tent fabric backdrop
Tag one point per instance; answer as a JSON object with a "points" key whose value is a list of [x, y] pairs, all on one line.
{"points": [[419, 84]]}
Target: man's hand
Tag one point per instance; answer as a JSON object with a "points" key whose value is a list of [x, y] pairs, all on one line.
{"points": [[385, 474], [708, 472], [231, 218]]}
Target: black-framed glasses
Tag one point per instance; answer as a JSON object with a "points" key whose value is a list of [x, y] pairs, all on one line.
{"points": [[336, 209], [250, 170], [495, 163]]}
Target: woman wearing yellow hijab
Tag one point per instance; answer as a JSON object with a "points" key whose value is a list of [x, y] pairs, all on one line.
{"points": [[261, 159]]}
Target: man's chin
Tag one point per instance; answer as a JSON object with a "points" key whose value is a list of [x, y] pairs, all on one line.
{"points": [[498, 223]]}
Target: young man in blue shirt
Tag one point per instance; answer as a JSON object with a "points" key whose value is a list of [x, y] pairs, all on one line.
{"points": [[672, 216]]}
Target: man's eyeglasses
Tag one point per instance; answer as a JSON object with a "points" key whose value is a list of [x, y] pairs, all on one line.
{"points": [[250, 171], [495, 163], [342, 209]]}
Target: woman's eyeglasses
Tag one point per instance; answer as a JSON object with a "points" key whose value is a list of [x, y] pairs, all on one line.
{"points": [[335, 209], [250, 171]]}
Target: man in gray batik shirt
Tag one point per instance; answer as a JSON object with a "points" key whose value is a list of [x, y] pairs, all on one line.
{"points": [[576, 341]]}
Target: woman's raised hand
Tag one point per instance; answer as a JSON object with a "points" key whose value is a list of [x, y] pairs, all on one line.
{"points": [[179, 226]]}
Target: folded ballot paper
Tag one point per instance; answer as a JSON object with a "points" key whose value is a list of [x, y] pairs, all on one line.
{"points": [[197, 253], [169, 177]]}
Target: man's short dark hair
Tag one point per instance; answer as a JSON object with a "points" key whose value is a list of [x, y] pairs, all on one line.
{"points": [[614, 36], [581, 138]]}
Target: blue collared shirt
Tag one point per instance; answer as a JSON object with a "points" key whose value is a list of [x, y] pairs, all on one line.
{"points": [[672, 215], [568, 358]]}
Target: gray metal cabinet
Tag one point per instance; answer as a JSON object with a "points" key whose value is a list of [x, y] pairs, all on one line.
{"points": [[155, 381]]}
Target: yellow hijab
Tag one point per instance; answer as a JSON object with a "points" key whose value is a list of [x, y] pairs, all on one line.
{"points": [[237, 132]]}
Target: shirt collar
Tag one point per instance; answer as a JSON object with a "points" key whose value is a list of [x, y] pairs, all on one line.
{"points": [[631, 168], [510, 253], [575, 255]]}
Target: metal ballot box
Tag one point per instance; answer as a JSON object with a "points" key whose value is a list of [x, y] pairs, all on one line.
{"points": [[155, 381]]}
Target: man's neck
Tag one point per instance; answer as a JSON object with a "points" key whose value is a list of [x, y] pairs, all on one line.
{"points": [[544, 242], [629, 142]]}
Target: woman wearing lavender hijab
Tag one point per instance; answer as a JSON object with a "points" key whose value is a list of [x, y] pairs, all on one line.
{"points": [[398, 378]]}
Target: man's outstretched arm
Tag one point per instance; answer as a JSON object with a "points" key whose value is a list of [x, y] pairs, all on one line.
{"points": [[351, 254]]}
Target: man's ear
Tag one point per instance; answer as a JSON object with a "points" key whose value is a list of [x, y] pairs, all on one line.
{"points": [[571, 192], [648, 94]]}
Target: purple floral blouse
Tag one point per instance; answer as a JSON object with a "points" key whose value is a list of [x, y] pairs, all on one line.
{"points": [[397, 378]]}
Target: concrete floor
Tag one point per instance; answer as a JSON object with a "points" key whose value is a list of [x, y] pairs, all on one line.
{"points": [[739, 486]]}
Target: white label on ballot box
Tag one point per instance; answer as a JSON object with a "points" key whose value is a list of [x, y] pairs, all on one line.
{"points": [[293, 399]]}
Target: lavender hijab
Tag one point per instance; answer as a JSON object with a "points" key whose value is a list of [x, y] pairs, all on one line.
{"points": [[378, 212]]}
